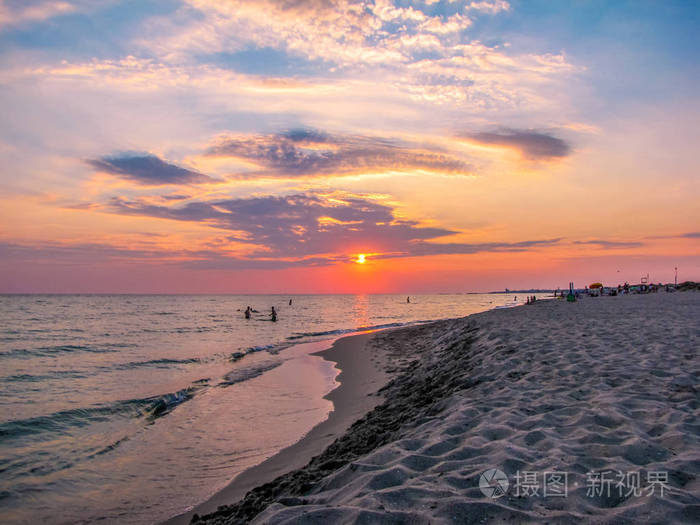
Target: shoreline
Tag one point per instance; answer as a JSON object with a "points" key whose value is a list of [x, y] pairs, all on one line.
{"points": [[352, 399], [602, 385], [361, 376]]}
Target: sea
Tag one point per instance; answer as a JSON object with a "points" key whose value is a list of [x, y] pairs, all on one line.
{"points": [[135, 408]]}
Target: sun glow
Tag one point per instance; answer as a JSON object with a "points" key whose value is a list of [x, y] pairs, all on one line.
{"points": [[360, 258]]}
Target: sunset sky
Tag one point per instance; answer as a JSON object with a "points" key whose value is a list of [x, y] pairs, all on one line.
{"points": [[228, 146]]}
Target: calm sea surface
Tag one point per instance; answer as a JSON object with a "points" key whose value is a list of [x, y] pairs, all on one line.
{"points": [[134, 408]]}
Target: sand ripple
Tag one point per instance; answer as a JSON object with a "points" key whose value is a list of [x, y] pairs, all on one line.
{"points": [[605, 385]]}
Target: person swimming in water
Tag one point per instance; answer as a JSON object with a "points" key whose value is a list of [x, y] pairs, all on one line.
{"points": [[247, 313], [273, 315]]}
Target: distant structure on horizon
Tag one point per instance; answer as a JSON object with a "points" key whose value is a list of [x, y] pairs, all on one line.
{"points": [[531, 290]]}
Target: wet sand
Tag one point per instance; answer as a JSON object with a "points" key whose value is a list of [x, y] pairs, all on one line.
{"points": [[362, 374], [603, 387]]}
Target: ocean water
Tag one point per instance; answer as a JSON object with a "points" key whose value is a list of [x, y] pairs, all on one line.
{"points": [[134, 408]]}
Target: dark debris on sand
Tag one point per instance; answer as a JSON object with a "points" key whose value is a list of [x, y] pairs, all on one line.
{"points": [[415, 394]]}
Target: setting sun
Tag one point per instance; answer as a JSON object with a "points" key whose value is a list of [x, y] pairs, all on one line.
{"points": [[360, 259]]}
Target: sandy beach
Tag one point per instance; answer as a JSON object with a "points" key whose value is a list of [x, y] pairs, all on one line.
{"points": [[589, 410]]}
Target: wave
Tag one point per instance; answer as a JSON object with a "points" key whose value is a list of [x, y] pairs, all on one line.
{"points": [[164, 404], [240, 354], [33, 378], [155, 363], [81, 374], [58, 350], [180, 330], [341, 331], [65, 421], [109, 448], [300, 337], [244, 374]]}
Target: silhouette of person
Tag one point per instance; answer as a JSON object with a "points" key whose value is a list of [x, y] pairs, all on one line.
{"points": [[247, 313], [408, 299], [290, 302], [273, 315]]}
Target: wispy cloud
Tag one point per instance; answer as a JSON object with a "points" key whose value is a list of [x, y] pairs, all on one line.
{"points": [[90, 254], [303, 152], [422, 50], [426, 248], [76, 253], [602, 243], [14, 12], [687, 235], [533, 145], [147, 170], [345, 32]]}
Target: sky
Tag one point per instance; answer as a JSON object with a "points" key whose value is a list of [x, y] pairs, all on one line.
{"points": [[342, 146]]}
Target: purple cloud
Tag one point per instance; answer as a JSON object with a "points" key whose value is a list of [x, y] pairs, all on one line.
{"points": [[533, 145], [610, 244], [313, 225], [688, 235], [308, 153], [147, 169]]}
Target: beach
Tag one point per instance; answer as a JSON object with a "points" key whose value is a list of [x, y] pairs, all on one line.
{"points": [[141, 408], [552, 412]]}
